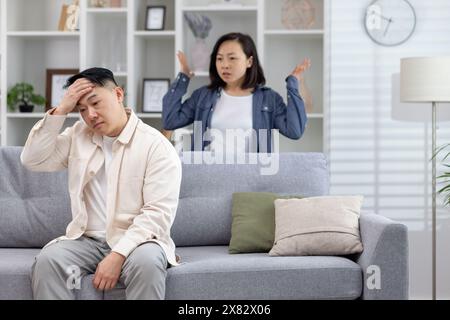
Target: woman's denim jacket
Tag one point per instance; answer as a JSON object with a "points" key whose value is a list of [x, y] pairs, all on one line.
{"points": [[269, 112]]}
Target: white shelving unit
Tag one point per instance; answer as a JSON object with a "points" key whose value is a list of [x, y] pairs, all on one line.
{"points": [[115, 38]]}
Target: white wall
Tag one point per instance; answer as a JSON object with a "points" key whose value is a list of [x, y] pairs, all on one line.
{"points": [[386, 160]]}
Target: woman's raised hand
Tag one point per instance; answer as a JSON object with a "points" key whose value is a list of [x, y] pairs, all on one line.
{"points": [[301, 67], [184, 67]]}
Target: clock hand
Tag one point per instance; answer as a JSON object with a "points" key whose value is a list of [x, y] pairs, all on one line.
{"points": [[387, 27]]}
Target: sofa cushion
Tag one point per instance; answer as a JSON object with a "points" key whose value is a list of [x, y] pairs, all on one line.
{"points": [[34, 207], [326, 225], [15, 276], [253, 221], [212, 273], [204, 211], [15, 273], [193, 227]]}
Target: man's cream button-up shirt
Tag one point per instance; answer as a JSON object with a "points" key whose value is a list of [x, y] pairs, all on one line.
{"points": [[143, 181]]}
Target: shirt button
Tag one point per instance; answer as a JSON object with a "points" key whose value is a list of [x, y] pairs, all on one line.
{"points": [[172, 90], [184, 79]]}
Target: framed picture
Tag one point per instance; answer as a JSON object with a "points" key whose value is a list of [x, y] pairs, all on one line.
{"points": [[155, 17], [56, 79], [153, 91]]}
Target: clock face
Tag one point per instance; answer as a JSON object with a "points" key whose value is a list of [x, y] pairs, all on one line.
{"points": [[390, 22]]}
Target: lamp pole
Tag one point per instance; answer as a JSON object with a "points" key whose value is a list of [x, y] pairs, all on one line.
{"points": [[433, 190]]}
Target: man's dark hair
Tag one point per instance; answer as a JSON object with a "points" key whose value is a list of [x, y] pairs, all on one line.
{"points": [[98, 76], [254, 75]]}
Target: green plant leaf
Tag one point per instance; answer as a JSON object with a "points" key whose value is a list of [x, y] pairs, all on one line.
{"points": [[444, 176], [444, 189], [37, 99], [439, 149]]}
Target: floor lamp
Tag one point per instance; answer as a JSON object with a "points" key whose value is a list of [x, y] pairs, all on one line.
{"points": [[427, 80]]}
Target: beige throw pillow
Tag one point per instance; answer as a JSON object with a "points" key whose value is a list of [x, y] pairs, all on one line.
{"points": [[327, 225]]}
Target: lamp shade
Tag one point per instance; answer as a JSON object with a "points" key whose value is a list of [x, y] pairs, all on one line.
{"points": [[425, 79], [414, 111]]}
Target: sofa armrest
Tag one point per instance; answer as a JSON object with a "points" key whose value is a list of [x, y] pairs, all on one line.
{"points": [[385, 251]]}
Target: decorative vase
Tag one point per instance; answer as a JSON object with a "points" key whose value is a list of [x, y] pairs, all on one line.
{"points": [[298, 14], [200, 55], [306, 95], [26, 108]]}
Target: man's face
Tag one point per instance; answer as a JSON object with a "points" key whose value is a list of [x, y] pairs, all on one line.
{"points": [[103, 111]]}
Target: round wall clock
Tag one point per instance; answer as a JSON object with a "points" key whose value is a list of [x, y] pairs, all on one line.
{"points": [[390, 22]]}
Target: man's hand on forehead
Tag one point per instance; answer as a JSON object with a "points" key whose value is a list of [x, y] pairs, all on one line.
{"points": [[80, 84], [74, 93]]}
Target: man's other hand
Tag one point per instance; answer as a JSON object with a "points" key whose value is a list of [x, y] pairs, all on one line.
{"points": [[108, 271]]}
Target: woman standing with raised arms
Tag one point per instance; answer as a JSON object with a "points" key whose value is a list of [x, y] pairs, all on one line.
{"points": [[235, 99]]}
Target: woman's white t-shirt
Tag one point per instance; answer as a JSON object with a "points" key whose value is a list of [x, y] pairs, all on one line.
{"points": [[232, 124]]}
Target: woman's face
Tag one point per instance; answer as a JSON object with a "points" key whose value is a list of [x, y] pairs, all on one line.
{"points": [[232, 63]]}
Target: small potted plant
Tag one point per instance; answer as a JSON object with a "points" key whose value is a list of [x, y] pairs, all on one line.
{"points": [[23, 94]]}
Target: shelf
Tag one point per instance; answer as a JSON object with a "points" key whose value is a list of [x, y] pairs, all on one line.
{"points": [[121, 74], [149, 115], [116, 38], [312, 34], [140, 115], [43, 34], [38, 115], [201, 73], [106, 10], [315, 115], [215, 8], [158, 34]]}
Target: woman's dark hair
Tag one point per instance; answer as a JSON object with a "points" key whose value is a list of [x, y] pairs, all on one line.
{"points": [[254, 75], [98, 76]]}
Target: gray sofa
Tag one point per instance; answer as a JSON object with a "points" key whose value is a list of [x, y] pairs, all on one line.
{"points": [[34, 208]]}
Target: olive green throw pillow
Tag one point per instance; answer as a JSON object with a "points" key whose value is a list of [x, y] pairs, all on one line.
{"points": [[253, 221]]}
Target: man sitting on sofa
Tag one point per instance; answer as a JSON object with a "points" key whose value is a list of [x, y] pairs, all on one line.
{"points": [[124, 181]]}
